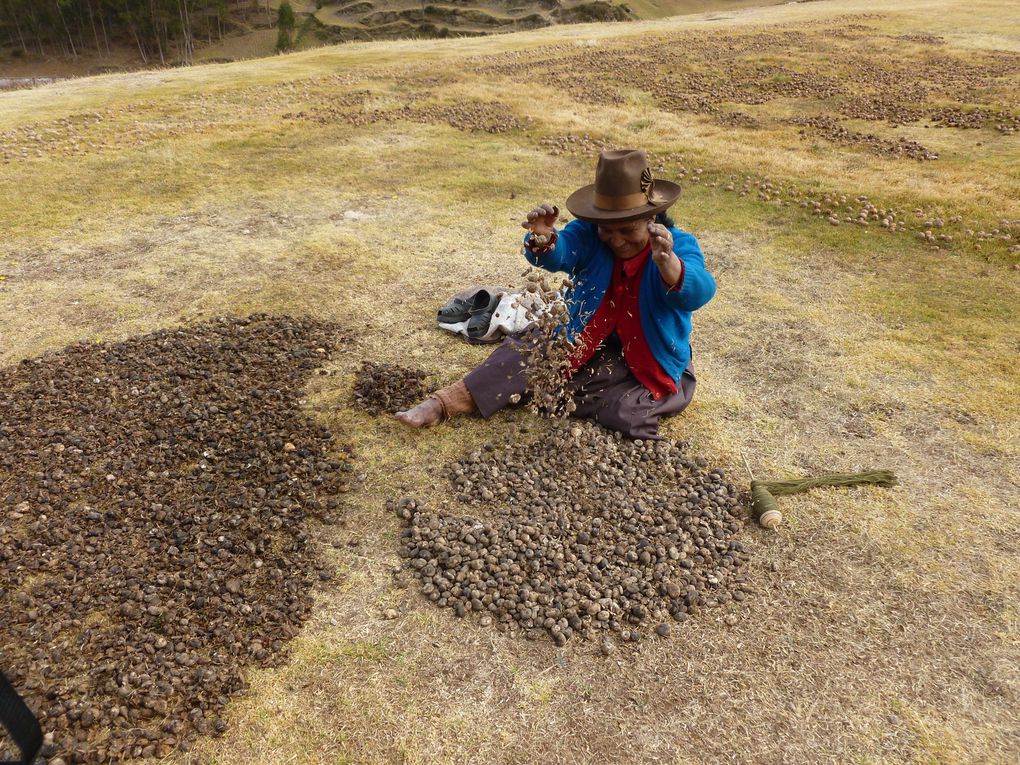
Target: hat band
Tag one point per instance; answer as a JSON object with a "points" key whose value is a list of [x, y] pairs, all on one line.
{"points": [[625, 202]]}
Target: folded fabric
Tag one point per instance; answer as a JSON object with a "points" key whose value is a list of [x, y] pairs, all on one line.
{"points": [[515, 312]]}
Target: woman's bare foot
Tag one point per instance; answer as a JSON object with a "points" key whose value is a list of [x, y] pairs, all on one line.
{"points": [[428, 412], [445, 403]]}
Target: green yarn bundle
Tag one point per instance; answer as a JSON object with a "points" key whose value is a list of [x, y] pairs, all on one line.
{"points": [[764, 493]]}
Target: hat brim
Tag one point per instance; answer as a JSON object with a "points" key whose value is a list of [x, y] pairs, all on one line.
{"points": [[582, 204]]}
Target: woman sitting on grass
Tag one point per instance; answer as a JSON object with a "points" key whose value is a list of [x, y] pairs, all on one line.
{"points": [[630, 365]]}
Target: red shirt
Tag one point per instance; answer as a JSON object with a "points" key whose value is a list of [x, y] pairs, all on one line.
{"points": [[619, 311]]}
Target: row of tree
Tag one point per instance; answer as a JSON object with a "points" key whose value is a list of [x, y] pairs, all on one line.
{"points": [[163, 30]]}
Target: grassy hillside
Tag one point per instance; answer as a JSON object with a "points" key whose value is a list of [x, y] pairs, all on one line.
{"points": [[866, 318], [249, 31], [365, 20], [376, 19], [380, 19]]}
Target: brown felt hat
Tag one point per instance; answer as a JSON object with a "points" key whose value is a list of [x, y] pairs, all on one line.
{"points": [[623, 190]]}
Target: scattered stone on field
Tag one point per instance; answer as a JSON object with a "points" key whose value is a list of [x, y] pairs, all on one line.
{"points": [[975, 118], [381, 387], [578, 72], [471, 116], [581, 533], [831, 130], [921, 39], [487, 117], [877, 108], [832, 207], [154, 528], [737, 119], [699, 73], [575, 145]]}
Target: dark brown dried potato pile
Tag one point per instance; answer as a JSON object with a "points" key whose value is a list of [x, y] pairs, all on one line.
{"points": [[386, 388], [154, 495], [584, 534], [547, 355], [831, 130], [489, 117]]}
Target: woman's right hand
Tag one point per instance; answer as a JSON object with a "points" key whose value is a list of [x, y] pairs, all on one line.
{"points": [[542, 220]]}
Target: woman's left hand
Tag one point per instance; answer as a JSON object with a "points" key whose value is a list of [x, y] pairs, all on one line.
{"points": [[665, 259], [662, 242]]}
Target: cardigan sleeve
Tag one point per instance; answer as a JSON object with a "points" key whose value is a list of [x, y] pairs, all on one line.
{"points": [[697, 286], [572, 249]]}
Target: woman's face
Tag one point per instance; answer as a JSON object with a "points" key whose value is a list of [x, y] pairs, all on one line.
{"points": [[625, 239]]}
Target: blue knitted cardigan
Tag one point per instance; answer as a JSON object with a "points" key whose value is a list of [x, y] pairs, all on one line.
{"points": [[665, 315]]}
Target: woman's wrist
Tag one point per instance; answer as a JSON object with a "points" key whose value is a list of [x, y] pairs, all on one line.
{"points": [[540, 244], [671, 269]]}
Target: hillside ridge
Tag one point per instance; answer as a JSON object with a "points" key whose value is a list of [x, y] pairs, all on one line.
{"points": [[36, 45]]}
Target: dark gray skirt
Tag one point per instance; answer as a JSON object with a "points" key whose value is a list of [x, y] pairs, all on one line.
{"points": [[604, 389]]}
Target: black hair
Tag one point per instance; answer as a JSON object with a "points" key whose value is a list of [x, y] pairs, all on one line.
{"points": [[665, 220]]}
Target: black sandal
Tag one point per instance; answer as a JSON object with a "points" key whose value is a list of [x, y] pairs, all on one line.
{"points": [[481, 314], [457, 309]]}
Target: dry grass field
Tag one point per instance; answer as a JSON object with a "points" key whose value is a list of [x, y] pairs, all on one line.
{"points": [[867, 317]]}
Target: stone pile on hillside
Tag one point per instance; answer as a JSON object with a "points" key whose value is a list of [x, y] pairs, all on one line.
{"points": [[580, 534], [469, 116], [832, 130], [154, 504]]}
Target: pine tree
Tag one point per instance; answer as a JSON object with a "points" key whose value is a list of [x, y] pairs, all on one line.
{"points": [[285, 22], [165, 30]]}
